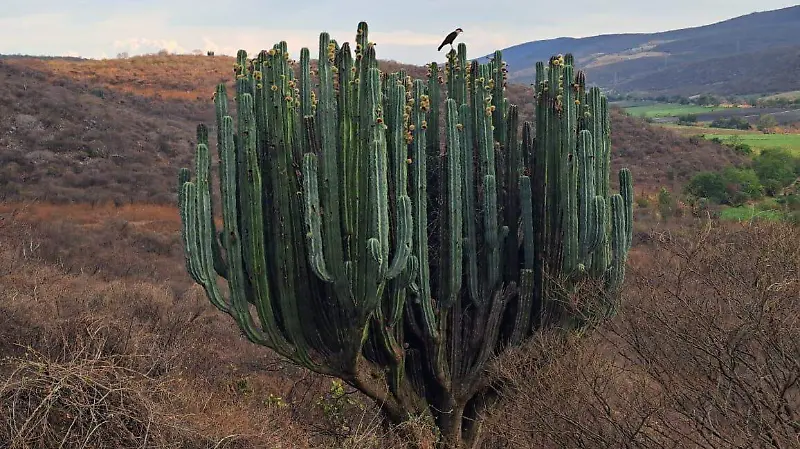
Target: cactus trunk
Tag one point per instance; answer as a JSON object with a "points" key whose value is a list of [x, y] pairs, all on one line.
{"points": [[371, 248]]}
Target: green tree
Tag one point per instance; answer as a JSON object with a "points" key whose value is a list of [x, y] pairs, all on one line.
{"points": [[708, 185], [667, 204], [766, 122], [741, 185], [776, 168]]}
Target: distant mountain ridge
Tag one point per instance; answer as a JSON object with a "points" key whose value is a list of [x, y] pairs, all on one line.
{"points": [[757, 53]]}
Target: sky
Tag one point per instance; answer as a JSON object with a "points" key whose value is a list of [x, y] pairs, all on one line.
{"points": [[404, 30]]}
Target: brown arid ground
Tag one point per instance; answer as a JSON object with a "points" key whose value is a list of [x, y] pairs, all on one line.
{"points": [[101, 326], [106, 342]]}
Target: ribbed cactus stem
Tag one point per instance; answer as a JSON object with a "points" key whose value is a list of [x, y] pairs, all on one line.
{"points": [[451, 221], [305, 82], [586, 228], [626, 190], [419, 183], [482, 112], [619, 248], [499, 113], [469, 203], [512, 167], [571, 243]]}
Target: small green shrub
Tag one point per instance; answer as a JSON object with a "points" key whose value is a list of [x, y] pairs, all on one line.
{"points": [[708, 185], [730, 123], [776, 168]]}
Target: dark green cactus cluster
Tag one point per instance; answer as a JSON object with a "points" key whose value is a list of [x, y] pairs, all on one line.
{"points": [[360, 241]]}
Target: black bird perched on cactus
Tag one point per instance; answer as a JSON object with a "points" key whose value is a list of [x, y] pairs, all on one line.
{"points": [[450, 38]]}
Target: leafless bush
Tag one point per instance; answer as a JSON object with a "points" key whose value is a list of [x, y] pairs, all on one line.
{"points": [[87, 401], [705, 354]]}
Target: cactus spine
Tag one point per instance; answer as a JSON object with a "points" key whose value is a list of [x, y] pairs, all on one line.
{"points": [[373, 249]]}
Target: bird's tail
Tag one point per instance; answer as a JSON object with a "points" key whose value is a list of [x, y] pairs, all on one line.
{"points": [[440, 47]]}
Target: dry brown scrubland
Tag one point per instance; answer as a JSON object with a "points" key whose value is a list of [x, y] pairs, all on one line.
{"points": [[106, 343], [704, 354]]}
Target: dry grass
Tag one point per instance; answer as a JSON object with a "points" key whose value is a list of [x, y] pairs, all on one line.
{"points": [[89, 401], [106, 340], [150, 76], [704, 354]]}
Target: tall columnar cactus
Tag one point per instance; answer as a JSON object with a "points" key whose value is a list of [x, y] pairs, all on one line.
{"points": [[359, 242]]}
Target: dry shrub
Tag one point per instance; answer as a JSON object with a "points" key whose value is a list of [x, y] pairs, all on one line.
{"points": [[132, 340], [79, 303], [88, 401], [705, 354]]}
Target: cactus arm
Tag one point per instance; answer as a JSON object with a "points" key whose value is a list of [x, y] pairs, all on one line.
{"points": [[312, 214], [462, 75], [511, 207], [305, 82], [524, 307], [571, 244], [596, 125], [451, 219], [219, 262], [348, 155], [626, 190], [618, 242], [326, 132], [184, 176], [586, 230], [397, 150], [205, 226], [420, 219], [499, 113], [191, 245], [482, 110]]}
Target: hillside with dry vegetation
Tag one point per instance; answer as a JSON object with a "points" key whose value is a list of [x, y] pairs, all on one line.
{"points": [[118, 130], [105, 340]]}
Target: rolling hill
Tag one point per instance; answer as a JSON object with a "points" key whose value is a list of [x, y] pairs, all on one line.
{"points": [[92, 131], [758, 53]]}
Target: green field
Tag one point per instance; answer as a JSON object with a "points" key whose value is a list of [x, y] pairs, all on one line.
{"points": [[759, 141], [658, 110], [750, 213], [756, 139]]}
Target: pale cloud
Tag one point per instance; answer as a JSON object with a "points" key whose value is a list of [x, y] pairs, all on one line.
{"points": [[144, 45], [405, 30]]}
